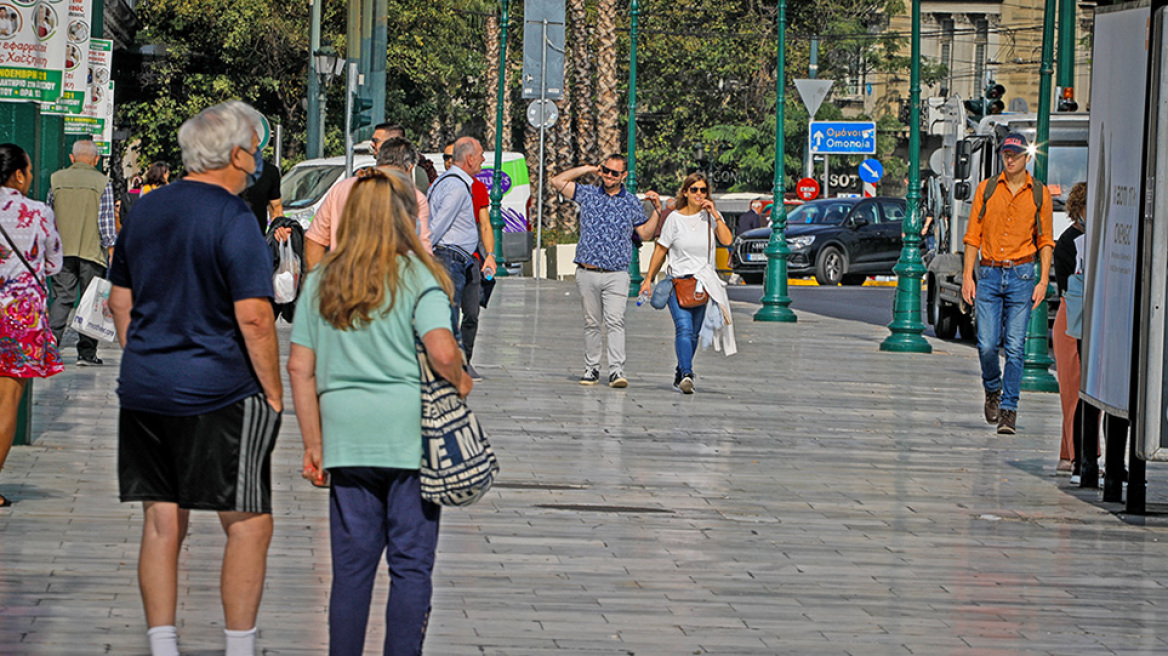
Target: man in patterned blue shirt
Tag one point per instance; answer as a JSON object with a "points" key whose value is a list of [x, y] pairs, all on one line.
{"points": [[608, 216]]}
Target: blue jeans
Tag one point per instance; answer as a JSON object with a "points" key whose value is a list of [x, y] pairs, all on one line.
{"points": [[461, 268], [687, 325], [375, 510], [1003, 310]]}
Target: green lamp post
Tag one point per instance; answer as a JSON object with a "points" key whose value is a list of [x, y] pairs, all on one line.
{"points": [[1036, 376], [635, 277], [776, 305], [497, 176], [906, 327]]}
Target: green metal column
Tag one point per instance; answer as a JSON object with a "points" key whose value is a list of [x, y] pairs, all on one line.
{"points": [[1066, 43], [18, 122], [315, 128], [635, 277], [376, 81], [776, 305], [1036, 376], [906, 327], [497, 178]]}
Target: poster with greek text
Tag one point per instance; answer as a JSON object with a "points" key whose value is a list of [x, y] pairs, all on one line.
{"points": [[98, 108], [76, 82], [33, 39]]}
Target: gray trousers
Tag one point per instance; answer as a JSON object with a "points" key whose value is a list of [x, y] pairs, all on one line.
{"points": [[68, 285], [605, 296]]}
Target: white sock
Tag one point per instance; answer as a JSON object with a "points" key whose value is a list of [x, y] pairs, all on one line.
{"points": [[163, 641], [240, 643]]}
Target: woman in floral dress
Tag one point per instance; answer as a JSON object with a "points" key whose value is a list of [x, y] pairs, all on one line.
{"points": [[27, 349]]}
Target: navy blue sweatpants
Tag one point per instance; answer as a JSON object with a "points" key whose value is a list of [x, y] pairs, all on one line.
{"points": [[374, 510]]}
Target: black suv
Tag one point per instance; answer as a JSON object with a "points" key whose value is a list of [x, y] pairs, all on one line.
{"points": [[838, 240]]}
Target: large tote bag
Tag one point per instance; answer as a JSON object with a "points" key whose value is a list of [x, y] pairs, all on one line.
{"points": [[458, 464]]}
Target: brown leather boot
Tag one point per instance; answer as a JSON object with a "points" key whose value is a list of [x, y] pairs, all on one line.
{"points": [[991, 406], [1006, 419]]}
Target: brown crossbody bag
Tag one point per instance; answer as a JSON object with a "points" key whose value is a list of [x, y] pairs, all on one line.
{"points": [[686, 289]]}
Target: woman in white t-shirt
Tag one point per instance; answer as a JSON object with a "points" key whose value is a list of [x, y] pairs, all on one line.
{"points": [[688, 239]]}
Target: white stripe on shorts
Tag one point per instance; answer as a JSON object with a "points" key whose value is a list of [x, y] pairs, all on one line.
{"points": [[256, 437]]}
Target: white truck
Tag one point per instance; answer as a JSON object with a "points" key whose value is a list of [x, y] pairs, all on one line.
{"points": [[966, 162]]}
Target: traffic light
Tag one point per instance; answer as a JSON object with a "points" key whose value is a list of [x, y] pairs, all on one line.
{"points": [[990, 103], [362, 111], [1067, 102]]}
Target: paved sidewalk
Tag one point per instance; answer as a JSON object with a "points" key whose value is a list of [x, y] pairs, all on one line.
{"points": [[816, 496]]}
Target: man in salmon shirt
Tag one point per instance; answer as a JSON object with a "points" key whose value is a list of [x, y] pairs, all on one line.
{"points": [[1010, 223]]}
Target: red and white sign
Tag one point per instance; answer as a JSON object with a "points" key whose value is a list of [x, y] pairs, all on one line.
{"points": [[869, 190], [807, 189]]}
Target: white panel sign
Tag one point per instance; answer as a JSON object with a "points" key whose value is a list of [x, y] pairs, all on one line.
{"points": [[1115, 152]]}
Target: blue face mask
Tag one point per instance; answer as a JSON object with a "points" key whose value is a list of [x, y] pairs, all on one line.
{"points": [[254, 177]]}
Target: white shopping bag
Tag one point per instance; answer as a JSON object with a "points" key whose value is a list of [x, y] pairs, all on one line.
{"points": [[287, 278], [93, 316]]}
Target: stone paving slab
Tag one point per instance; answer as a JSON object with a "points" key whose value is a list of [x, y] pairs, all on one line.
{"points": [[816, 496]]}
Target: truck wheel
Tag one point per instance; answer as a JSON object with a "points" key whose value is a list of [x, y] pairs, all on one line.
{"points": [[945, 321], [830, 267]]}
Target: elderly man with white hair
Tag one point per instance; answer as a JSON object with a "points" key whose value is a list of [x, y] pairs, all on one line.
{"points": [[200, 385], [82, 198]]}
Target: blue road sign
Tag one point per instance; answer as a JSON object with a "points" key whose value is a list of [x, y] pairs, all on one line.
{"points": [[871, 171], [843, 137]]}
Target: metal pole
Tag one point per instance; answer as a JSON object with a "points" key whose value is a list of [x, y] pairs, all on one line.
{"points": [[542, 141], [906, 326], [315, 127], [1066, 44], [809, 164], [826, 175], [279, 145], [497, 177], [635, 277], [776, 305], [1036, 376], [376, 80], [350, 90]]}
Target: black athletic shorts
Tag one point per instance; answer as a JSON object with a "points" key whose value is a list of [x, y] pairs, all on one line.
{"points": [[220, 460]]}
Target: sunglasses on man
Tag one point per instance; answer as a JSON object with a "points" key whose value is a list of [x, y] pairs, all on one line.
{"points": [[607, 171]]}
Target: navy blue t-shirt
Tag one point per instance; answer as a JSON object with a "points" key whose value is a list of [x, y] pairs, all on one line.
{"points": [[189, 251]]}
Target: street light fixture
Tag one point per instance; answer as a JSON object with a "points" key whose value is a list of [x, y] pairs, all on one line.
{"points": [[328, 64]]}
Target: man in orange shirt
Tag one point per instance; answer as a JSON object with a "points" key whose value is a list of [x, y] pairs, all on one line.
{"points": [[1010, 222]]}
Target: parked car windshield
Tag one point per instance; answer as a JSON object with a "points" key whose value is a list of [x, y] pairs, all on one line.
{"points": [[824, 212], [305, 185]]}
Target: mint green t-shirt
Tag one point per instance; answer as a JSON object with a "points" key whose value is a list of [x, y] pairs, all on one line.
{"points": [[367, 379]]}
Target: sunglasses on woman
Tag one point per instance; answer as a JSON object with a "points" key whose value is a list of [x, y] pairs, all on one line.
{"points": [[698, 190]]}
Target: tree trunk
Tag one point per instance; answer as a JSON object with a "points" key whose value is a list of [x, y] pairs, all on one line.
{"points": [[606, 105], [584, 112], [492, 38]]}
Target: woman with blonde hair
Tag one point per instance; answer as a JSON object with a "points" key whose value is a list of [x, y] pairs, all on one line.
{"points": [[687, 239], [356, 386]]}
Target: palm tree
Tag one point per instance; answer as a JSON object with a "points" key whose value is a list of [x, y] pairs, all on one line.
{"points": [[606, 102]]}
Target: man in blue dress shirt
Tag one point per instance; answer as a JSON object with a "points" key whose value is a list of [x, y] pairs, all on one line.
{"points": [[608, 216]]}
